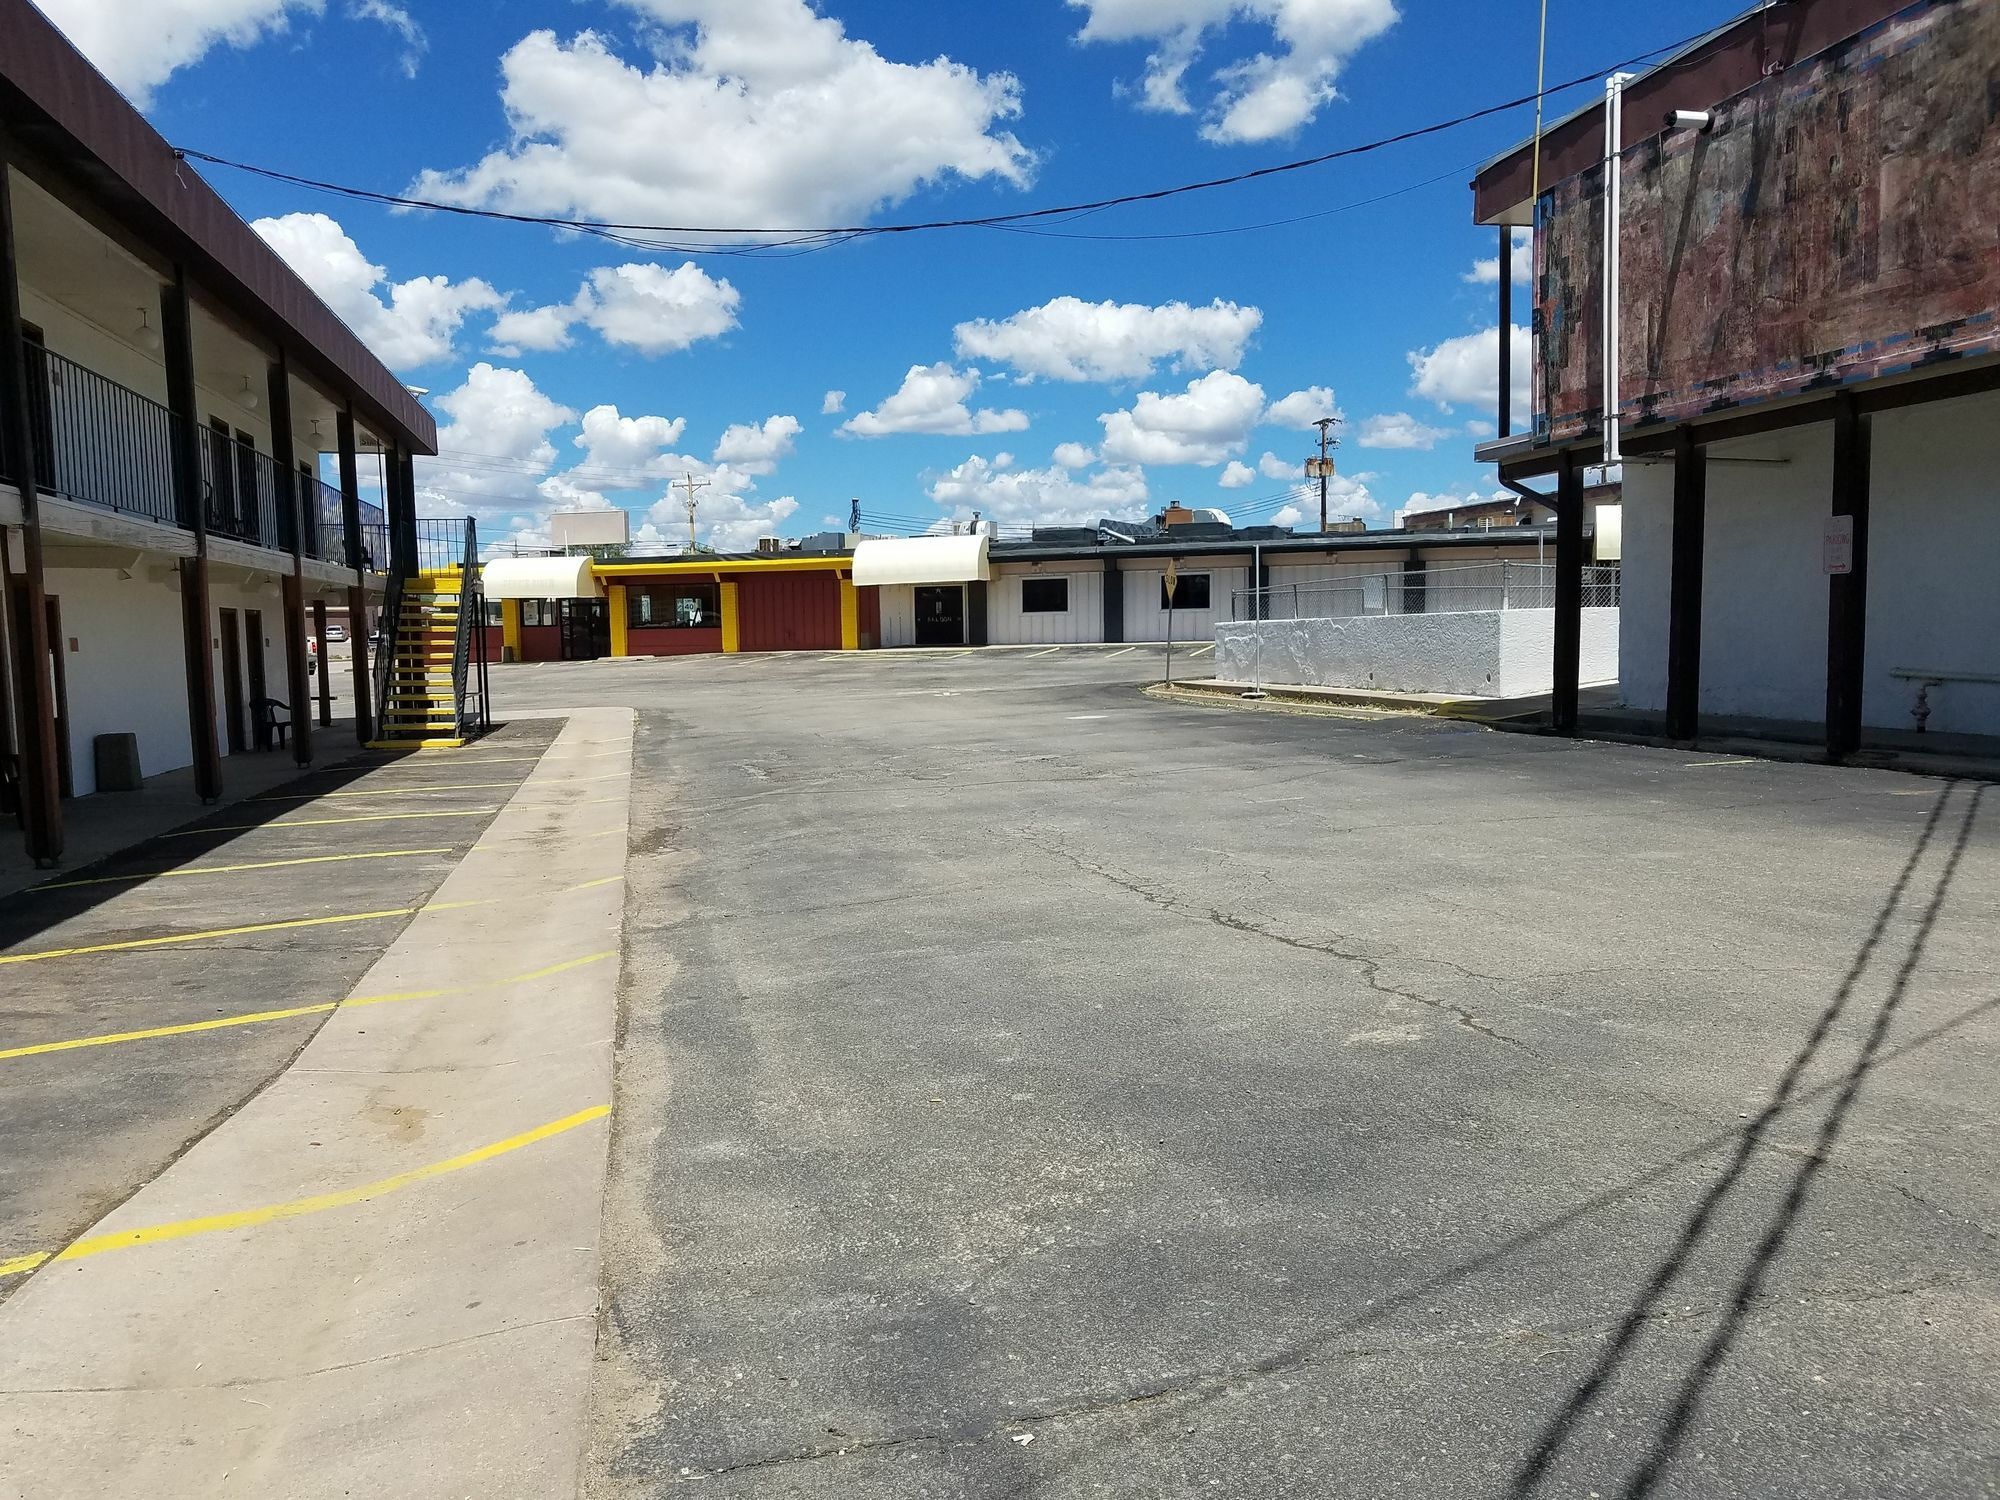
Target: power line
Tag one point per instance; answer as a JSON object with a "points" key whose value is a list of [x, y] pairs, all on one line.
{"points": [[793, 237]]}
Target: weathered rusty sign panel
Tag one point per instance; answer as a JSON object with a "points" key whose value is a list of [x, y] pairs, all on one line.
{"points": [[1838, 223]]}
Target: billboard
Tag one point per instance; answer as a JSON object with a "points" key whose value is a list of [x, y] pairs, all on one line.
{"points": [[590, 528], [1838, 222]]}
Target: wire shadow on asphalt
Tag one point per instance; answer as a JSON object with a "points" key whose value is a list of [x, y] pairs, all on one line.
{"points": [[1177, 1397], [1555, 1433]]}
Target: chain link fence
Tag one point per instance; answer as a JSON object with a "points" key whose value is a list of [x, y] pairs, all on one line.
{"points": [[1455, 590]]}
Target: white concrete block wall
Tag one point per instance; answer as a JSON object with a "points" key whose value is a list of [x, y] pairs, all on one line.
{"points": [[1008, 625], [1474, 653], [126, 674], [1145, 620], [1934, 564], [1934, 554]]}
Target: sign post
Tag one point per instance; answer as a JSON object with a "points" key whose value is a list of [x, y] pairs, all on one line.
{"points": [[1170, 581]]}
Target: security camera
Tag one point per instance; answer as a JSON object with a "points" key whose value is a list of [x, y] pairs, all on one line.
{"points": [[1689, 119]]}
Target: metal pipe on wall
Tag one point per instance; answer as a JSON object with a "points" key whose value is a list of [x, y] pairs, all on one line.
{"points": [[1614, 218]]}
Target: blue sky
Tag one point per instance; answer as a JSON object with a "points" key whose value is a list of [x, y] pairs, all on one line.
{"points": [[1106, 365]]}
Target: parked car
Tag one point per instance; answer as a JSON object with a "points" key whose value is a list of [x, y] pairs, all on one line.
{"points": [[336, 634]]}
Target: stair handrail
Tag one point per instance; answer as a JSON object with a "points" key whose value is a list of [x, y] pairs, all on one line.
{"points": [[461, 644], [387, 649]]}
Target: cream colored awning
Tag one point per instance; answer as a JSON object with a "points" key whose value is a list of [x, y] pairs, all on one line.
{"points": [[540, 578], [920, 559]]}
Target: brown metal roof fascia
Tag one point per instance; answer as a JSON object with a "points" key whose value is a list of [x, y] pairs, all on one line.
{"points": [[55, 100], [1765, 41]]}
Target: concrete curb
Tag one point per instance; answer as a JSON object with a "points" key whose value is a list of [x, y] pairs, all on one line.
{"points": [[1232, 692], [380, 1277]]}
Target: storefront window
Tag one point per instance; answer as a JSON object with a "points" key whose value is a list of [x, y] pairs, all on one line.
{"points": [[674, 606]]}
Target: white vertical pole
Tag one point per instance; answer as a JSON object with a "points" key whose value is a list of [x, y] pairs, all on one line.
{"points": [[1614, 219]]}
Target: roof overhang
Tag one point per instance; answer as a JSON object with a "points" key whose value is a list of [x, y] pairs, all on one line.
{"points": [[540, 578], [920, 559]]}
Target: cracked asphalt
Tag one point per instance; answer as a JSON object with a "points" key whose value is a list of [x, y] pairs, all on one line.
{"points": [[1030, 1087]]}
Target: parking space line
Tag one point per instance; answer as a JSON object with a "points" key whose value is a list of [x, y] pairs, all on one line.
{"points": [[1202, 652], [271, 1213], [256, 1018], [263, 864], [1032, 655], [1126, 652], [291, 924], [459, 812], [1695, 765]]}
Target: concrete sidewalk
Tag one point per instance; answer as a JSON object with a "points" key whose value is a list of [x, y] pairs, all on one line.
{"points": [[380, 1276]]}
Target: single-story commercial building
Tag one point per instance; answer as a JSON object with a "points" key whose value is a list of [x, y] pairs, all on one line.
{"points": [[1062, 585]]}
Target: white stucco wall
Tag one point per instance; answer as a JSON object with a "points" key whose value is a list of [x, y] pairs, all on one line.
{"points": [[1478, 653], [1006, 625], [1934, 551], [899, 614], [126, 674]]}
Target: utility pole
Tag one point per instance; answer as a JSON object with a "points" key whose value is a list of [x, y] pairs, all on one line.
{"points": [[693, 487], [854, 514], [1321, 468]]}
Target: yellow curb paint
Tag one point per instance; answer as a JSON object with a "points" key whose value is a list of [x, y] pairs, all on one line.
{"points": [[462, 812], [592, 884], [262, 864], [259, 1017], [271, 1213]]}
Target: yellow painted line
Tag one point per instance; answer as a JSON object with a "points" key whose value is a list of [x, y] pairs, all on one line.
{"points": [[293, 924], [272, 1213], [400, 791], [593, 884], [262, 864], [466, 812], [256, 1018]]}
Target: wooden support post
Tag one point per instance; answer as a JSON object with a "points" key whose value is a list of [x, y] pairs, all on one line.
{"points": [[292, 519], [357, 592], [41, 789], [1684, 587], [1847, 593], [1506, 411], [1114, 602], [184, 420], [325, 665], [1568, 665]]}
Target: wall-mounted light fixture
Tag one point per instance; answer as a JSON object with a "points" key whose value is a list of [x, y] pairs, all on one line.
{"points": [[247, 398], [146, 336], [1690, 119]]}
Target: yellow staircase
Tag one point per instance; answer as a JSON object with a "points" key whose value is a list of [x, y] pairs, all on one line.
{"points": [[422, 709]]}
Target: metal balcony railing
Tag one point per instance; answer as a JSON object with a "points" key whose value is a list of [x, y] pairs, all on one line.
{"points": [[103, 444]]}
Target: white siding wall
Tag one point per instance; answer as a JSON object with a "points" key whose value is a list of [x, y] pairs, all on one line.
{"points": [[899, 614], [1145, 620], [126, 673], [1006, 625], [1934, 550]]}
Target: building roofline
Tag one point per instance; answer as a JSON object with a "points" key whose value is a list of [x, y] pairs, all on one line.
{"points": [[54, 102], [1349, 541]]}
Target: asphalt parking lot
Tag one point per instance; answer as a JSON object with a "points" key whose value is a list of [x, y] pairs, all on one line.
{"points": [[1028, 1086], [145, 998]]}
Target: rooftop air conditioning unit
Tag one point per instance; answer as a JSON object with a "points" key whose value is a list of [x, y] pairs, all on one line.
{"points": [[769, 544]]}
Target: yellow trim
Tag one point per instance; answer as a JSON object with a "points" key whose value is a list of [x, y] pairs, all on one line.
{"points": [[189, 1028], [271, 1213], [510, 629], [607, 571], [620, 622], [732, 625], [850, 616]]}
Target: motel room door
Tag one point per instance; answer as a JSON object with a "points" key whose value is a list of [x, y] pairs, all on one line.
{"points": [[586, 628], [232, 682], [940, 614]]}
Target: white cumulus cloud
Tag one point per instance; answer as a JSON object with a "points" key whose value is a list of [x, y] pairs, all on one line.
{"points": [[413, 325], [1465, 371], [1255, 98], [1398, 429], [495, 447], [1069, 339], [1303, 409], [933, 398], [834, 404], [1486, 272], [1273, 467], [756, 447], [400, 21], [1048, 497], [1073, 456], [139, 46], [1205, 424], [1237, 476], [753, 114], [640, 306], [629, 446]]}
